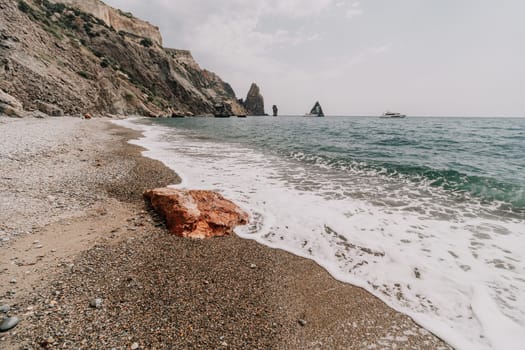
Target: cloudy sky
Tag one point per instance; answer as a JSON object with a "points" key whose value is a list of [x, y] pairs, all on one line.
{"points": [[420, 57]]}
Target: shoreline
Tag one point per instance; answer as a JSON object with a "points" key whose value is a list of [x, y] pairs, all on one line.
{"points": [[161, 291]]}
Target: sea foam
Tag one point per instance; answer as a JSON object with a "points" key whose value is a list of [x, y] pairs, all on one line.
{"points": [[455, 269]]}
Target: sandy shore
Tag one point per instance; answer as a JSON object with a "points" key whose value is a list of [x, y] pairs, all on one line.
{"points": [[74, 227]]}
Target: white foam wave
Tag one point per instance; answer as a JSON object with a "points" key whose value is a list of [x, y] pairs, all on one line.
{"points": [[460, 275]]}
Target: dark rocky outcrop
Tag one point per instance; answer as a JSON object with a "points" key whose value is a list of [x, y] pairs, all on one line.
{"points": [[49, 109], [254, 102], [10, 106], [223, 110], [275, 111], [317, 111], [103, 61]]}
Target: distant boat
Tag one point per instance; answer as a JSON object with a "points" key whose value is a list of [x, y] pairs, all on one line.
{"points": [[317, 111], [393, 115]]}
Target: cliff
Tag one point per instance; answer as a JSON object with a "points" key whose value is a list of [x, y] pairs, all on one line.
{"points": [[254, 102], [91, 58], [115, 18]]}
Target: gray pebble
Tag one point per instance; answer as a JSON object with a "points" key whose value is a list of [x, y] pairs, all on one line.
{"points": [[96, 303], [9, 323], [134, 346], [302, 322], [5, 308]]}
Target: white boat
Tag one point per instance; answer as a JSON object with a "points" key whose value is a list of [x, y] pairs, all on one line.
{"points": [[393, 115]]}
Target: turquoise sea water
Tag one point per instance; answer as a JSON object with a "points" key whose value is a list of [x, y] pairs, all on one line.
{"points": [[479, 157], [427, 214]]}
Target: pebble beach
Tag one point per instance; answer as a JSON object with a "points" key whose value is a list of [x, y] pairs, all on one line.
{"points": [[86, 264]]}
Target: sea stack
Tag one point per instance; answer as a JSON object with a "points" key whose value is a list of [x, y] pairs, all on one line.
{"points": [[317, 111], [254, 103], [275, 111]]}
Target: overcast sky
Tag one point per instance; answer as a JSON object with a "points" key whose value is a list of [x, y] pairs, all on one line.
{"points": [[420, 57]]}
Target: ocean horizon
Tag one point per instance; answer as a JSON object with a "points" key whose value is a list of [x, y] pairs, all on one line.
{"points": [[409, 116]]}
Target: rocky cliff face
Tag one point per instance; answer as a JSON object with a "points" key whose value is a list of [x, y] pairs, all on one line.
{"points": [[254, 102], [115, 18], [76, 61]]}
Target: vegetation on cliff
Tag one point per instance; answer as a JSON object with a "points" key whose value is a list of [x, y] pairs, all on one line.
{"points": [[59, 55]]}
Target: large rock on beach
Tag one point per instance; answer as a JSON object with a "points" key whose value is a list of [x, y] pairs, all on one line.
{"points": [[196, 214]]}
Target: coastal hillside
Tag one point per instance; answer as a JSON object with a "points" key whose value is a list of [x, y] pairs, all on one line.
{"points": [[74, 57]]}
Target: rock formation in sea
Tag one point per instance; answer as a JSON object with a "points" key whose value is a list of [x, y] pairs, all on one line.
{"points": [[317, 111], [254, 102], [81, 56], [275, 111], [196, 214]]}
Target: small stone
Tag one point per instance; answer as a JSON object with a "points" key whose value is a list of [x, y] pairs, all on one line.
{"points": [[224, 343], [13, 281], [96, 303], [36, 242], [5, 308], [253, 266], [9, 323], [39, 246], [134, 346], [302, 322], [50, 340]]}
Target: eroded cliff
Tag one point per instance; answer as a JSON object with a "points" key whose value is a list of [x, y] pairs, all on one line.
{"points": [[116, 18], [92, 58]]}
